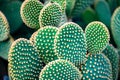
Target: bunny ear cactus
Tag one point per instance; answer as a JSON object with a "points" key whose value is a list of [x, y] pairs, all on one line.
{"points": [[102, 5], [70, 43], [60, 70], [97, 67], [4, 27], [24, 61], [44, 41], [97, 37], [115, 27], [113, 56], [11, 10], [50, 15], [30, 11]]}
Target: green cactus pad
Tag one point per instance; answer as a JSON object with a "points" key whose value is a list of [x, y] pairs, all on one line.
{"points": [[70, 43], [97, 67], [115, 26], [24, 61], [102, 5], [30, 11], [50, 15], [80, 5], [4, 27], [62, 3], [4, 47], [60, 70], [11, 10], [97, 37], [113, 56], [44, 41]]}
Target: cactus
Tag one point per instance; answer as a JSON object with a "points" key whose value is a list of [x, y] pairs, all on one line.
{"points": [[115, 27], [60, 70], [44, 41], [4, 27], [12, 12], [4, 47], [33, 37], [97, 37], [50, 15], [102, 5], [30, 11], [113, 56], [62, 3], [70, 43], [80, 5], [24, 61], [97, 67]]}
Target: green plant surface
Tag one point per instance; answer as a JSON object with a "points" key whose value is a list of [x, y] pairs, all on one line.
{"points": [[30, 11], [4, 48], [12, 13], [70, 43], [102, 5], [4, 27], [50, 15], [113, 56], [97, 67], [44, 41], [24, 61], [60, 70], [115, 27], [97, 37]]}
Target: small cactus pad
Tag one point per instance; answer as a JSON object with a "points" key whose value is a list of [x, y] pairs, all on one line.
{"points": [[80, 5], [30, 11], [113, 56], [50, 15], [115, 26], [4, 27], [97, 67], [44, 41], [60, 70], [70, 43], [62, 3], [97, 37], [24, 61], [4, 47]]}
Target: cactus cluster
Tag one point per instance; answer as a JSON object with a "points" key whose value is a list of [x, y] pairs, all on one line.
{"points": [[64, 40]]}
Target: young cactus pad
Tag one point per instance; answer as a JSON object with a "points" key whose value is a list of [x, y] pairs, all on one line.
{"points": [[4, 27], [113, 56], [97, 67], [44, 41], [30, 11], [97, 37], [60, 70], [24, 61], [70, 43], [50, 15], [115, 26]]}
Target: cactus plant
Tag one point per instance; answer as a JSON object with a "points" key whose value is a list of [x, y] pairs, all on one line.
{"points": [[97, 37], [44, 41], [60, 70], [4, 27], [70, 43], [30, 11], [4, 47], [115, 27], [97, 67], [11, 10], [113, 56], [24, 61], [50, 15], [102, 5]]}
